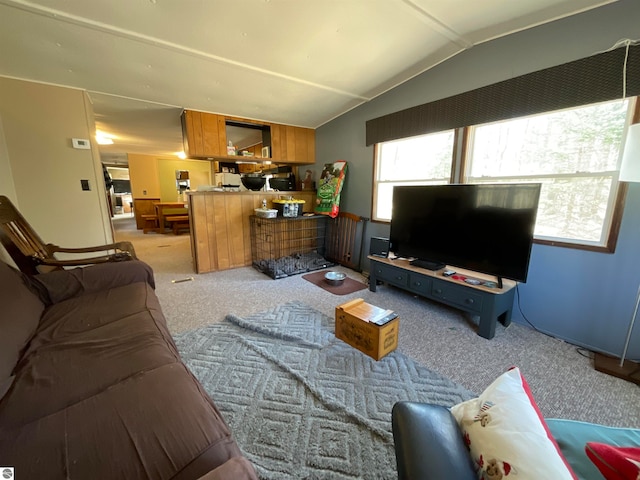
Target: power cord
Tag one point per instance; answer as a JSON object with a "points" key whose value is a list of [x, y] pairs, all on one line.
{"points": [[585, 352]]}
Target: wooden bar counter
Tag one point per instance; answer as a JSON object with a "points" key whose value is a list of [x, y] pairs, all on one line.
{"points": [[220, 226]]}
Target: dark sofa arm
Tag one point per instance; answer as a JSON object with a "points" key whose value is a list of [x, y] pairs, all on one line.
{"points": [[428, 443], [60, 285]]}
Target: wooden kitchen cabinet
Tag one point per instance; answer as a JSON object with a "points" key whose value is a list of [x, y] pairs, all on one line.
{"points": [[203, 134], [293, 144]]}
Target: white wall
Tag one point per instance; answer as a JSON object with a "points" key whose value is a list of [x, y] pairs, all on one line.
{"points": [[38, 160]]}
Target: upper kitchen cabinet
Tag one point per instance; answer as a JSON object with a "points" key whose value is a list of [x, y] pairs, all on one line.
{"points": [[293, 144], [206, 135], [203, 134]]}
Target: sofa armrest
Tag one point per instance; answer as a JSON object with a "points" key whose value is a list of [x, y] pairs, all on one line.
{"points": [[236, 468], [428, 443], [60, 285]]}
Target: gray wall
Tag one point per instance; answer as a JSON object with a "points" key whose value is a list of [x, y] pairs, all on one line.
{"points": [[583, 297]]}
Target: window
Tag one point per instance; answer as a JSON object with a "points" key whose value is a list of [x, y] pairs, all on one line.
{"points": [[574, 153], [421, 160]]}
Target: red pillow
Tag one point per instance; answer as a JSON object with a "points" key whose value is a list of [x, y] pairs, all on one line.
{"points": [[615, 463]]}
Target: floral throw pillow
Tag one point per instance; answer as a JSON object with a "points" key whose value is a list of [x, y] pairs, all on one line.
{"points": [[506, 434]]}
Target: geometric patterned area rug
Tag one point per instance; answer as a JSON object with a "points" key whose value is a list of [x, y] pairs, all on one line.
{"points": [[302, 404]]}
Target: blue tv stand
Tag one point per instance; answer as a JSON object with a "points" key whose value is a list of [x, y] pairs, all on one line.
{"points": [[490, 304]]}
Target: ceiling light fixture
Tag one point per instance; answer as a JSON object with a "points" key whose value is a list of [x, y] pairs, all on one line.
{"points": [[103, 138]]}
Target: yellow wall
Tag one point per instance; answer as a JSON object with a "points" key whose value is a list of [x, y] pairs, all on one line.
{"points": [[143, 173], [155, 177], [198, 171]]}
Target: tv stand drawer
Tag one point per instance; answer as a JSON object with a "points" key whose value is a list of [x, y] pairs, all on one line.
{"points": [[458, 295], [420, 284], [394, 275]]}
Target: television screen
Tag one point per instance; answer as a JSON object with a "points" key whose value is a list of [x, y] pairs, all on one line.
{"points": [[487, 228], [121, 186]]}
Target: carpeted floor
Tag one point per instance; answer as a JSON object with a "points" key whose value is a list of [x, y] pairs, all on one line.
{"points": [[443, 339], [302, 404]]}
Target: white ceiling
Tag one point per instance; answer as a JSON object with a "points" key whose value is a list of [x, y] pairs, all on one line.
{"points": [[298, 62]]}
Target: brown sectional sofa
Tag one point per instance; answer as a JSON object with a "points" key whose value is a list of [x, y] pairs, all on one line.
{"points": [[92, 385]]}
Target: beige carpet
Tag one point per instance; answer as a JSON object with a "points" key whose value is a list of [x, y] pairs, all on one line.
{"points": [[443, 339]]}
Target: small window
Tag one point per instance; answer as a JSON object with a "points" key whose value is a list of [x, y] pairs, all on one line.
{"points": [[420, 160]]}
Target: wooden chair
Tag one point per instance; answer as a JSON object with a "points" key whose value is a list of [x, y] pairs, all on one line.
{"points": [[150, 223], [178, 222], [342, 245], [29, 252]]}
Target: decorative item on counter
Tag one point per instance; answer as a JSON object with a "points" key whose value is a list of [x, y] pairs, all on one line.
{"points": [[289, 207], [308, 183], [231, 150], [331, 181]]}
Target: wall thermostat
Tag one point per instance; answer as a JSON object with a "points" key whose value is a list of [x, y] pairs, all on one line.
{"points": [[81, 143]]}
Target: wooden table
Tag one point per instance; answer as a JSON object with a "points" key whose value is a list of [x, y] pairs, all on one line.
{"points": [[161, 207]]}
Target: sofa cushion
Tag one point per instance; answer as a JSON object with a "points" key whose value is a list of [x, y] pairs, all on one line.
{"points": [[61, 285], [21, 310], [85, 345], [506, 432], [151, 425]]}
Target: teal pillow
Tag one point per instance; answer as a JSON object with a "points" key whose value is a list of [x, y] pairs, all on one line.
{"points": [[572, 438]]}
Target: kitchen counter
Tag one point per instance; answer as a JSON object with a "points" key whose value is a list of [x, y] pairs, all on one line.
{"points": [[220, 226]]}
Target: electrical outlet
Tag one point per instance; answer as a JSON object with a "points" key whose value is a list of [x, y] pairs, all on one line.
{"points": [[85, 185]]}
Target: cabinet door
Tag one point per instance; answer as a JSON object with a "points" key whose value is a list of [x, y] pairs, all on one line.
{"points": [[310, 134], [293, 144], [278, 142], [192, 133], [214, 135], [302, 149], [204, 134]]}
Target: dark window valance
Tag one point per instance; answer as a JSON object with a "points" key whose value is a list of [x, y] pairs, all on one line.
{"points": [[589, 80]]}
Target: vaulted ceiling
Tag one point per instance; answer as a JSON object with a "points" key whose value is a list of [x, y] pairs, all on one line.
{"points": [[298, 62]]}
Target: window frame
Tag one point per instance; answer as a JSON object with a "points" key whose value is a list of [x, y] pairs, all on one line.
{"points": [[376, 152], [463, 137]]}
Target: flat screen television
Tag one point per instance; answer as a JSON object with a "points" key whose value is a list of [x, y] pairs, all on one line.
{"points": [[121, 186], [486, 228]]}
